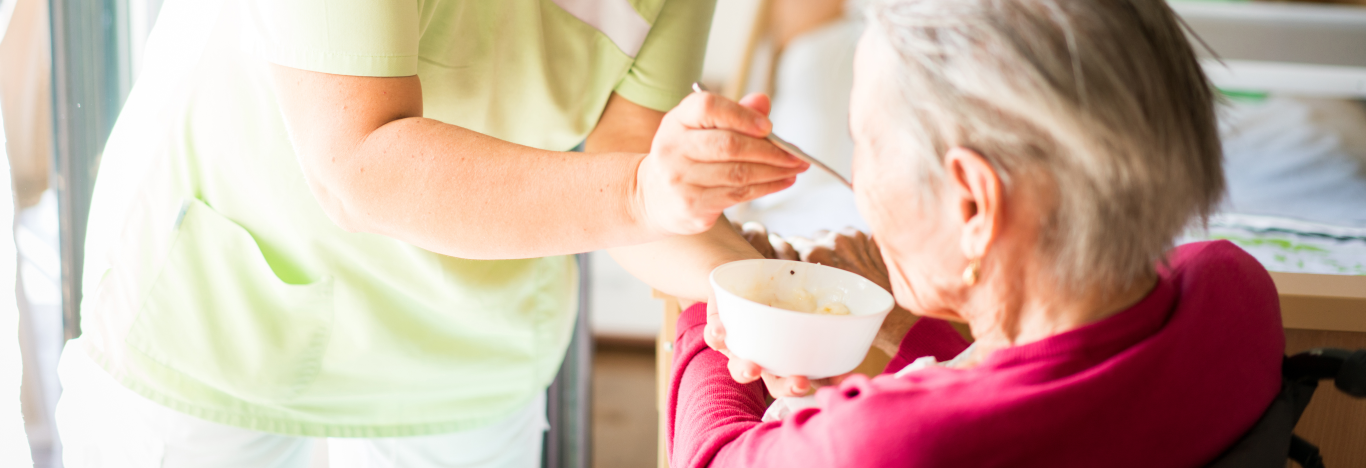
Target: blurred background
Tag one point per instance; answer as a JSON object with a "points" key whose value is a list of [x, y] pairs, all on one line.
{"points": [[1294, 127]]}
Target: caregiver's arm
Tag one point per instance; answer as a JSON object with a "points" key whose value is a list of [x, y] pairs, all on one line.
{"points": [[376, 165], [678, 265]]}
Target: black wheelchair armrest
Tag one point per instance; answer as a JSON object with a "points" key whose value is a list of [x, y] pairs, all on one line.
{"points": [[1347, 368]]}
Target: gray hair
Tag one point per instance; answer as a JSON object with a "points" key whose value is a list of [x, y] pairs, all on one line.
{"points": [[1103, 100]]}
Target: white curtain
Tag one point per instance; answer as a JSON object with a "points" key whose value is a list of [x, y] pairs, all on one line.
{"points": [[14, 450]]}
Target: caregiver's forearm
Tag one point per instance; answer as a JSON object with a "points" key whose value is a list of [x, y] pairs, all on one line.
{"points": [[681, 266], [460, 193], [375, 165], [678, 266]]}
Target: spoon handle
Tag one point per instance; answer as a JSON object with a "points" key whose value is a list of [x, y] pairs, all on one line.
{"points": [[795, 151], [791, 148]]}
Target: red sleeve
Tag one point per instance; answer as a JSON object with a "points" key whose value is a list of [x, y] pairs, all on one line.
{"points": [[707, 408], [714, 421], [928, 337]]}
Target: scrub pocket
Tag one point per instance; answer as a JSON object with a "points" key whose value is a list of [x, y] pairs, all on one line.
{"points": [[218, 314]]}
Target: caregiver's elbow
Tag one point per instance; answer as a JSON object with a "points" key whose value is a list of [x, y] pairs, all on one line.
{"points": [[355, 176], [338, 203]]}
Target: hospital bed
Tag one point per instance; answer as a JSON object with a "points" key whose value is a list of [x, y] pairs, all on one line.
{"points": [[1266, 50], [1319, 266]]}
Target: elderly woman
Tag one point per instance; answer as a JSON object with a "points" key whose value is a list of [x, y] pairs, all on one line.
{"points": [[1025, 166]]}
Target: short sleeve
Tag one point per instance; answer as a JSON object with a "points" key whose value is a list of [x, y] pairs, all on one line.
{"points": [[670, 60], [342, 37]]}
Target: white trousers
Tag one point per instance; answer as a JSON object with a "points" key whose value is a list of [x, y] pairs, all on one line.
{"points": [[103, 424]]}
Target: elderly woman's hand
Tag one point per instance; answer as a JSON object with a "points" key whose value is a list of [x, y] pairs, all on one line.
{"points": [[745, 371], [850, 250], [771, 246]]}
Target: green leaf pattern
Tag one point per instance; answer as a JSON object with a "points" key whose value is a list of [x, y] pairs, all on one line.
{"points": [[1290, 245]]}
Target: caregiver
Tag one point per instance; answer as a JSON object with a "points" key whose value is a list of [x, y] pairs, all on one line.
{"points": [[350, 219]]}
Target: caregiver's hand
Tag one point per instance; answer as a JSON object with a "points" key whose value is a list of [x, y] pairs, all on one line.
{"points": [[745, 371], [709, 154]]}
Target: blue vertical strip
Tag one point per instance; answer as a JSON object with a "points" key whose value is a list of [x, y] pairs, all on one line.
{"points": [[89, 85]]}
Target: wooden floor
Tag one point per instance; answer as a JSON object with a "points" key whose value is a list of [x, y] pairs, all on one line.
{"points": [[1335, 422], [624, 416]]}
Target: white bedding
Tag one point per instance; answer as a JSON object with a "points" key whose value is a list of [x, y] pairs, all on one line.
{"points": [[1285, 157], [1297, 158], [1290, 245]]}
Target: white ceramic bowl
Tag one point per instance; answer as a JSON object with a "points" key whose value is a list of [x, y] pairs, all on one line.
{"points": [[785, 342]]}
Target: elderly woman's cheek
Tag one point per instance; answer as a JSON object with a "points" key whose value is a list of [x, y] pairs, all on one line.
{"points": [[862, 196], [901, 288]]}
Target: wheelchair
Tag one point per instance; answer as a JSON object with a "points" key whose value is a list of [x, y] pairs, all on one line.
{"points": [[1272, 440]]}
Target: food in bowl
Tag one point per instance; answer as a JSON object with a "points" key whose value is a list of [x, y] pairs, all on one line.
{"points": [[833, 308], [797, 300], [772, 311]]}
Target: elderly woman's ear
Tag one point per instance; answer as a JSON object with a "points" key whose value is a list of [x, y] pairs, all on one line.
{"points": [[976, 190]]}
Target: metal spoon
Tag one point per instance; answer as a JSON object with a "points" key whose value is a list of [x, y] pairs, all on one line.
{"points": [[790, 148]]}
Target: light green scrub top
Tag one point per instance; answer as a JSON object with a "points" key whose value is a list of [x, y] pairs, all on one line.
{"points": [[217, 286]]}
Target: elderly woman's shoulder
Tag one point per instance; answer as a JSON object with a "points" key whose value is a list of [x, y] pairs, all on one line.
{"points": [[1225, 284], [1217, 257]]}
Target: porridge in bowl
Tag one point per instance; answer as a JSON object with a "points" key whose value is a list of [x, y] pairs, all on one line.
{"points": [[795, 318], [798, 300]]}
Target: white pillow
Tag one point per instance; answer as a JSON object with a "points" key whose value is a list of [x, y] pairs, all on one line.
{"points": [[1296, 157], [1300, 158], [811, 110]]}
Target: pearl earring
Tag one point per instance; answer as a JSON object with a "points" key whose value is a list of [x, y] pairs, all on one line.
{"points": [[972, 271]]}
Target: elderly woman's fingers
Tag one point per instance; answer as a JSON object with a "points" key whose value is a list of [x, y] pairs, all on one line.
{"points": [[812, 251], [852, 251], [875, 253], [781, 249], [849, 250], [786, 386], [822, 255], [830, 381], [757, 235], [854, 244], [801, 245], [743, 371], [714, 334], [754, 227]]}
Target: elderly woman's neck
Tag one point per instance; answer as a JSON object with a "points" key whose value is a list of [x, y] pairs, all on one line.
{"points": [[1033, 312]]}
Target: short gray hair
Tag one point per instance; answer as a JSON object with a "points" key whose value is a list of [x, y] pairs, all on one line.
{"points": [[1103, 98]]}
